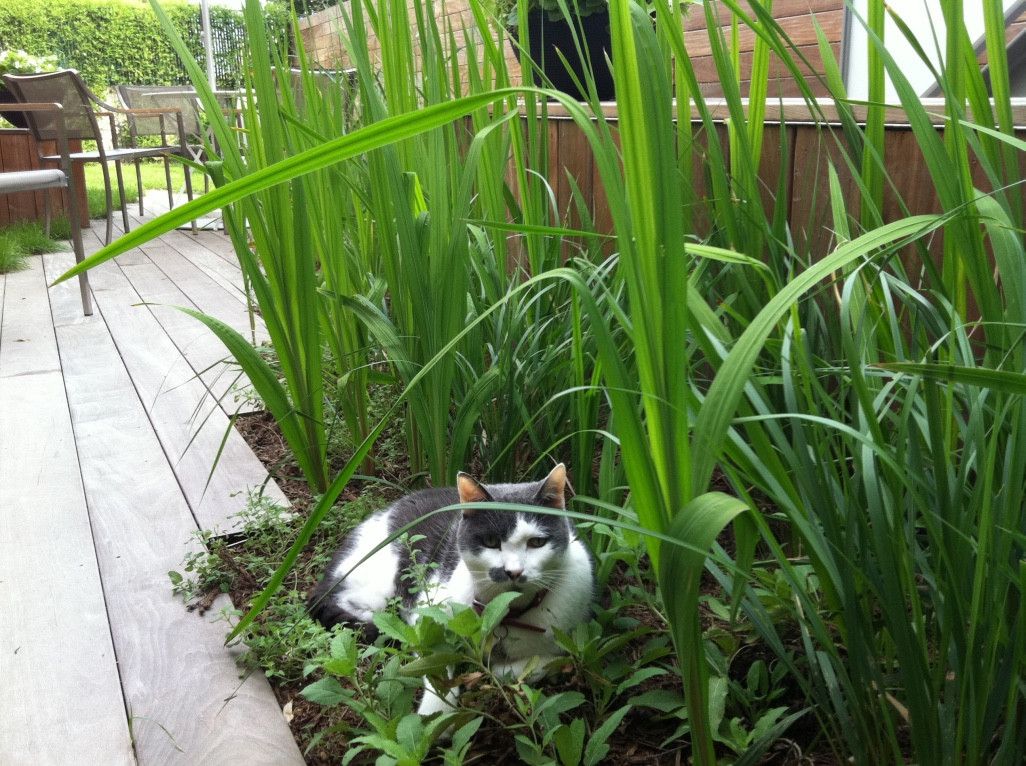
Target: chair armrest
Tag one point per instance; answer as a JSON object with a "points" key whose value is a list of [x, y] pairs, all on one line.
{"points": [[159, 113]]}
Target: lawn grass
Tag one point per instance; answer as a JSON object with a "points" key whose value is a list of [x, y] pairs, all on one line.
{"points": [[152, 178]]}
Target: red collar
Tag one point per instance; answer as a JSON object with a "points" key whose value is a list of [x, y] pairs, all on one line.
{"points": [[512, 617]]}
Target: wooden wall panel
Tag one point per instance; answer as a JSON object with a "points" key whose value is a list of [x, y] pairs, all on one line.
{"points": [[18, 152], [781, 84], [321, 37], [799, 29], [803, 152], [795, 20]]}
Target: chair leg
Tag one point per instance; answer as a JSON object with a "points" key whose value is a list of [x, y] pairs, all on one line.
{"points": [[139, 186], [110, 204], [167, 178], [188, 193], [47, 211], [87, 296], [121, 190], [79, 248]]}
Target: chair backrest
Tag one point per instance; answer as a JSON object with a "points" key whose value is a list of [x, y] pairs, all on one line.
{"points": [[179, 97], [335, 86], [64, 87]]}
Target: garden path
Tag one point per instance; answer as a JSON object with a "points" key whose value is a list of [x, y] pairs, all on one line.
{"points": [[109, 425]]}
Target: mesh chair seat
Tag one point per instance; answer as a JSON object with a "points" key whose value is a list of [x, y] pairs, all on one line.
{"points": [[165, 97]]}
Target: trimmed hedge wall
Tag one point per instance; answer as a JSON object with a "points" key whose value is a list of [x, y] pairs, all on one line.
{"points": [[120, 41]]}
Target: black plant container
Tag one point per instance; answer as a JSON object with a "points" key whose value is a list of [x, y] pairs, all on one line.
{"points": [[16, 118], [547, 36]]}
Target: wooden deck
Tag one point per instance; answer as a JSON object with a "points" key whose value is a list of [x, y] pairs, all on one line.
{"points": [[109, 425]]}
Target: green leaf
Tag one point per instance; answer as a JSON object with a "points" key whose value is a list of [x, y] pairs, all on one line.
{"points": [[698, 523], [638, 677], [717, 701], [464, 622], [997, 380], [724, 395], [569, 741], [410, 732], [461, 739], [663, 700], [389, 747], [597, 748], [432, 664], [327, 692], [392, 626], [555, 705], [496, 610], [339, 666], [530, 753]]}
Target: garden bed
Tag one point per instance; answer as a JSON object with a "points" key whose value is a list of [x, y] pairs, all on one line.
{"points": [[284, 641]]}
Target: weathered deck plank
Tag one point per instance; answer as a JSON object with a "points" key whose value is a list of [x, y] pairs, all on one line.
{"points": [[206, 270], [210, 256], [181, 685], [169, 284], [101, 483], [191, 427], [61, 700]]}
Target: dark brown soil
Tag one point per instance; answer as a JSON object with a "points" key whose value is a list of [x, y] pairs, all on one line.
{"points": [[264, 437]]}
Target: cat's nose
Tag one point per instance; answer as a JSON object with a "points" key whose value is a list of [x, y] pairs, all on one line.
{"points": [[514, 574]]}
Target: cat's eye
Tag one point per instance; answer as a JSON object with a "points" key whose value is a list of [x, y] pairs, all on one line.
{"points": [[491, 541], [537, 542]]}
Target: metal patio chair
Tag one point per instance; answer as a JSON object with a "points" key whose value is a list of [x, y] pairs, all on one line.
{"points": [[45, 179], [82, 122], [180, 97]]}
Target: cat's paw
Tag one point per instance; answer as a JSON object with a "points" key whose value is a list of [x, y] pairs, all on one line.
{"points": [[431, 703]]}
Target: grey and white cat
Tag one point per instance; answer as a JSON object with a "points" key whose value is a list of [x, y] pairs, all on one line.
{"points": [[470, 557]]}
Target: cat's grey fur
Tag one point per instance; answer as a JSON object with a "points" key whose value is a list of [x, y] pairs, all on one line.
{"points": [[469, 556]]}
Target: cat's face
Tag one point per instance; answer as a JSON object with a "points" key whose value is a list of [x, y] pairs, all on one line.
{"points": [[507, 550]]}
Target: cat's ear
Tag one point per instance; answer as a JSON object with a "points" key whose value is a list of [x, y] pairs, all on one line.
{"points": [[551, 494], [470, 491]]}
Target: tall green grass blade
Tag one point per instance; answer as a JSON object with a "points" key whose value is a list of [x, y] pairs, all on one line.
{"points": [[344, 147], [713, 422], [698, 523]]}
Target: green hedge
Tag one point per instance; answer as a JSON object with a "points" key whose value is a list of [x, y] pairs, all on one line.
{"points": [[120, 41]]}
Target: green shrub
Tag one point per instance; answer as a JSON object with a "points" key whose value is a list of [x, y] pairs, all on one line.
{"points": [[119, 41]]}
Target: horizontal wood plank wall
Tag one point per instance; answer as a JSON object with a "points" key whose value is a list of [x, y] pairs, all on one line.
{"points": [[322, 39], [18, 152], [794, 18]]}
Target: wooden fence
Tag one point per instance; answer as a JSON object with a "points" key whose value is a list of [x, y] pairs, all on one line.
{"points": [[809, 147]]}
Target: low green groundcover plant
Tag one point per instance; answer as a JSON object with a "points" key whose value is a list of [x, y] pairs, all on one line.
{"points": [[615, 691]]}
